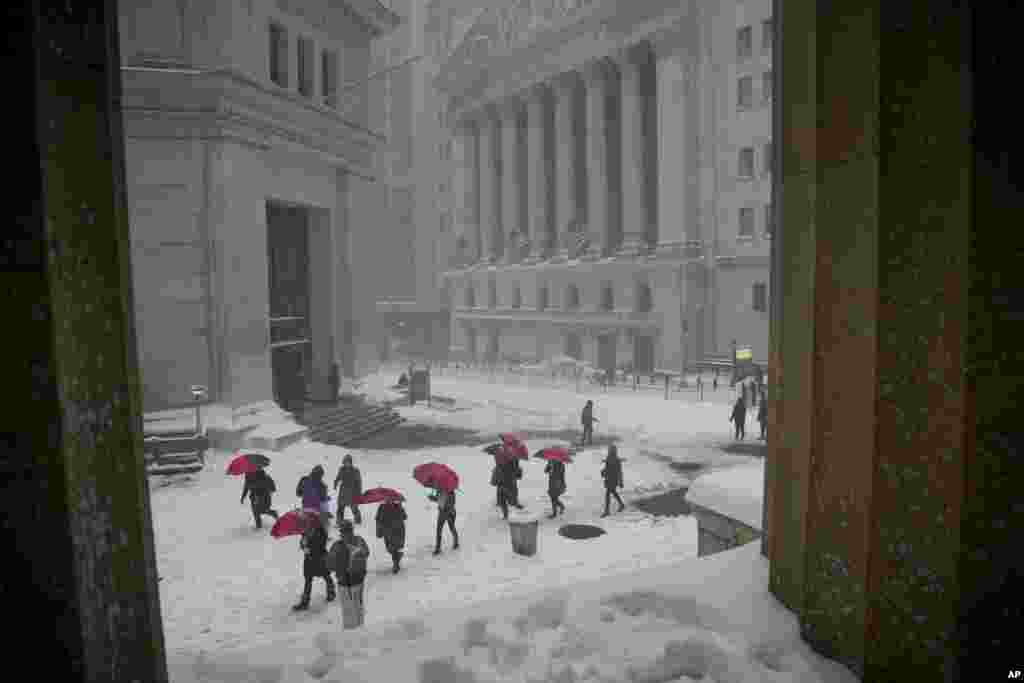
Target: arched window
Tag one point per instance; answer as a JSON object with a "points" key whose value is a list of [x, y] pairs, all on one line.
{"points": [[542, 298], [644, 299], [572, 297], [607, 298]]}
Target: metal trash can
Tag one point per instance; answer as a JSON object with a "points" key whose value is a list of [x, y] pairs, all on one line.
{"points": [[524, 536], [353, 612]]}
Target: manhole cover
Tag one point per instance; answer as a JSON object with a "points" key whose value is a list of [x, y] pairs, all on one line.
{"points": [[686, 466], [578, 532]]}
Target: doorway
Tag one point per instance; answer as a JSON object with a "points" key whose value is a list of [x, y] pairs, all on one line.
{"points": [[643, 354], [574, 346], [291, 349], [606, 355]]}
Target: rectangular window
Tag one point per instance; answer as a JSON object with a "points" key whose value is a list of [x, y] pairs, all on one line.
{"points": [[278, 55], [767, 158], [745, 42], [492, 295], [329, 77], [769, 220], [766, 88], [746, 222], [767, 36], [746, 169], [306, 53], [760, 297], [745, 93]]}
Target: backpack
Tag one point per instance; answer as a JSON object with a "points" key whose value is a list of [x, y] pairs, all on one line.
{"points": [[358, 554], [298, 489]]}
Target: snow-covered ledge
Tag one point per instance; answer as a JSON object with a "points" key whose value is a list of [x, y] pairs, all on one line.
{"points": [[728, 506]]}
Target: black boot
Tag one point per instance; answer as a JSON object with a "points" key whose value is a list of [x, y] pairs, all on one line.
{"points": [[331, 594], [395, 559], [455, 546], [303, 603], [437, 550]]}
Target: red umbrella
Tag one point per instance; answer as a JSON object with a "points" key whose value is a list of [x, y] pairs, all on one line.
{"points": [[247, 463], [293, 523], [436, 475], [515, 446], [378, 495], [554, 453]]}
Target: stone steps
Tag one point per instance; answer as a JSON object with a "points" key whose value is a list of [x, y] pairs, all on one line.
{"points": [[349, 421], [174, 452]]}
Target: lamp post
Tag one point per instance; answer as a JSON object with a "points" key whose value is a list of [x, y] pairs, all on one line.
{"points": [[198, 394]]}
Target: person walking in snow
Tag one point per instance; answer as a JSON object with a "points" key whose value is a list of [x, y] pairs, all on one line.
{"points": [[587, 419], [391, 527], [509, 473], [739, 417], [314, 547], [313, 490], [350, 481], [259, 487], [348, 558], [612, 474], [555, 470], [762, 415], [445, 514]]}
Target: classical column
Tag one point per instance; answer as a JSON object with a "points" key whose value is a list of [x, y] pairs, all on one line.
{"points": [[488, 192], [634, 153], [673, 158], [466, 181], [599, 196], [511, 159], [539, 171], [565, 169]]}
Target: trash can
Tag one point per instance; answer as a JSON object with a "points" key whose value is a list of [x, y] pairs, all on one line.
{"points": [[524, 535], [352, 609]]}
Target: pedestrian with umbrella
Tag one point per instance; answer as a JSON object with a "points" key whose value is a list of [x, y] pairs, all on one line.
{"points": [[555, 469], [348, 557], [350, 480], [513, 451], [390, 521], [762, 415], [495, 449], [259, 485], [444, 481], [313, 544], [612, 475]]}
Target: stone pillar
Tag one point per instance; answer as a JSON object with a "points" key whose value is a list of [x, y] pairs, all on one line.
{"points": [[539, 171], [511, 159], [599, 193], [673, 157], [75, 511], [634, 153], [467, 182], [565, 168], [895, 399], [488, 193]]}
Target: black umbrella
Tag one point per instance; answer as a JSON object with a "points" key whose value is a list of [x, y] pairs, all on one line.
{"points": [[257, 459]]}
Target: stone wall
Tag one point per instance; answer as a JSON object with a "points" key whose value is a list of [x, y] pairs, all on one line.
{"points": [[716, 532]]}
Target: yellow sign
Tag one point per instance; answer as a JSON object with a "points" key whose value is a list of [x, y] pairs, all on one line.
{"points": [[744, 354]]}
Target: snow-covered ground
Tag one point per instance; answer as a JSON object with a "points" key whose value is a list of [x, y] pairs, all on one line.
{"points": [[735, 492], [227, 588]]}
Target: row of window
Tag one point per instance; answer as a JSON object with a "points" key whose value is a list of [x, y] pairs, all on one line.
{"points": [[745, 91], [745, 40], [748, 220], [644, 299], [746, 161], [644, 302], [305, 56]]}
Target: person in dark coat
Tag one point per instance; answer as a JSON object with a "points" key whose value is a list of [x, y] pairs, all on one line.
{"points": [[762, 415], [259, 487], [391, 527], [587, 419], [445, 514], [739, 417], [349, 484], [612, 474], [509, 473], [314, 546], [313, 490], [496, 480], [556, 486], [348, 558]]}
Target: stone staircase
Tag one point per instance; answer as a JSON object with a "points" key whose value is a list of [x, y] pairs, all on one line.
{"points": [[348, 421], [174, 452]]}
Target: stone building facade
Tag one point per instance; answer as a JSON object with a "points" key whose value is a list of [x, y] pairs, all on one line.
{"points": [[611, 181], [249, 156]]}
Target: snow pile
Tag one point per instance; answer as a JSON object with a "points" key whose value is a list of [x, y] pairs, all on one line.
{"points": [[735, 492], [708, 619]]}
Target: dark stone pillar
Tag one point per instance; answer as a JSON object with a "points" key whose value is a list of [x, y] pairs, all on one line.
{"points": [[898, 374], [74, 508]]}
